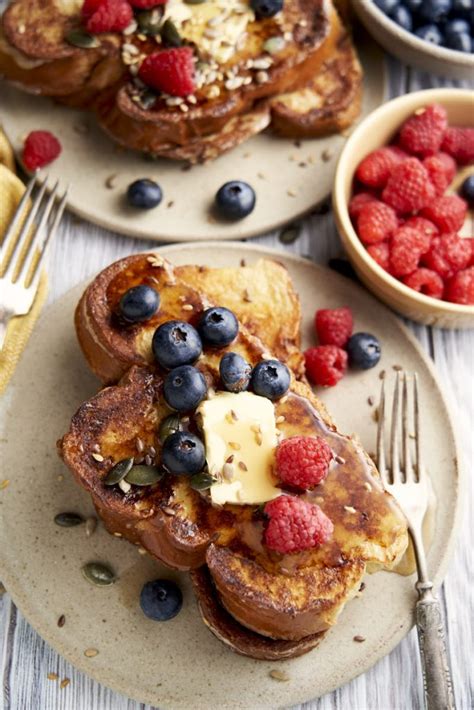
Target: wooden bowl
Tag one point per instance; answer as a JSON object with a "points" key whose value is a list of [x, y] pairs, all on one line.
{"points": [[409, 48], [377, 130]]}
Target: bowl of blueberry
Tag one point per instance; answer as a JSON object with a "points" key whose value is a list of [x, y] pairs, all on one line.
{"points": [[434, 35]]}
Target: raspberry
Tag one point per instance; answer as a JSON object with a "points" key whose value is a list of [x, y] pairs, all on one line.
{"points": [[110, 16], [89, 7], [422, 225], [376, 222], [408, 188], [295, 525], [359, 201], [460, 289], [437, 173], [325, 364], [425, 281], [459, 143], [146, 4], [447, 213], [423, 132], [333, 326], [381, 254], [449, 164], [375, 169], [406, 248], [40, 149], [448, 254], [171, 71], [303, 461]]}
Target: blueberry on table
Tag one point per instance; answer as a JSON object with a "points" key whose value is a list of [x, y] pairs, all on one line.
{"points": [[271, 379], [183, 454], [434, 10], [161, 599], [402, 16], [364, 350], [234, 372], [184, 387], [430, 33], [139, 304], [467, 190], [144, 194], [266, 8], [176, 343], [218, 327], [235, 200]]}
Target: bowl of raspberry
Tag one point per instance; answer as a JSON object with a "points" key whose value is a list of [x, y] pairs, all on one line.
{"points": [[403, 203]]}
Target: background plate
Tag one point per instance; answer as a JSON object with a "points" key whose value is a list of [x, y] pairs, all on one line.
{"points": [[289, 180], [179, 664]]}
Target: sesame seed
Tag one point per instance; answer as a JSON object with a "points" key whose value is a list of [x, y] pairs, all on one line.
{"points": [[187, 307], [64, 683], [117, 534], [97, 457], [91, 652], [242, 466], [234, 415], [234, 445], [367, 486], [61, 621], [280, 419], [4, 484], [279, 675], [349, 509], [52, 676], [230, 458], [139, 444], [359, 639], [284, 399], [291, 193], [169, 511], [339, 459]]}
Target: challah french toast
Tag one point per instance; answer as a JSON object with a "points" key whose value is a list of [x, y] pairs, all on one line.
{"points": [[261, 601]]}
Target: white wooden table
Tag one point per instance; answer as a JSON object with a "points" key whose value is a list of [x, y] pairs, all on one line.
{"points": [[81, 250]]}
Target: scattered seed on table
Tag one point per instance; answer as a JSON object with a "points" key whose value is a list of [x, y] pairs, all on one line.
{"points": [[279, 675], [61, 621]]}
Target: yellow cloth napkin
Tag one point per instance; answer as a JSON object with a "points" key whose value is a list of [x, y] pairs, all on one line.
{"points": [[20, 327]]}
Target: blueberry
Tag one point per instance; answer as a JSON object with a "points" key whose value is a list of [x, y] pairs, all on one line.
{"points": [[364, 350], [271, 379], [467, 190], [455, 27], [234, 372], [430, 33], [139, 304], [184, 387], [413, 5], [235, 199], [183, 453], [176, 343], [434, 10], [161, 599], [386, 6], [460, 42], [218, 327], [266, 8], [402, 16], [144, 194]]}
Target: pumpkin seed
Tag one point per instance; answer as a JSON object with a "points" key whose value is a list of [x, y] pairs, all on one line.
{"points": [[118, 472], [98, 574], [144, 475], [290, 234], [168, 426], [202, 481], [81, 38], [170, 35], [68, 520], [149, 22]]}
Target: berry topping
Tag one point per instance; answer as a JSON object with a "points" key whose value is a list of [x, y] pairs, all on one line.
{"points": [[40, 149], [423, 132], [459, 143], [139, 304], [448, 254], [381, 254], [303, 461], [271, 379], [438, 174], [109, 16], [170, 71], [266, 8], [144, 194], [184, 387], [235, 200], [460, 289], [161, 599], [325, 364], [295, 525], [375, 169], [183, 453], [447, 213], [467, 190], [408, 188], [376, 222], [218, 327], [235, 372], [421, 224], [176, 343], [358, 202], [364, 350], [333, 326], [407, 246], [425, 281]]}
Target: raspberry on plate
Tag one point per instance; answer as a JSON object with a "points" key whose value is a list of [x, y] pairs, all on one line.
{"points": [[295, 525], [109, 16], [423, 132], [406, 248], [376, 222], [448, 254], [325, 364], [408, 188], [303, 461], [171, 71], [425, 281], [40, 149], [437, 172], [460, 289], [447, 213], [374, 170], [381, 254], [358, 202], [334, 325], [459, 143]]}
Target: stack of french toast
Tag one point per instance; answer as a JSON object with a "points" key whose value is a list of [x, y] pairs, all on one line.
{"points": [[188, 80], [205, 442]]}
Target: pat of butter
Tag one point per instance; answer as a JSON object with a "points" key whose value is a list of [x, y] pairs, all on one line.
{"points": [[242, 426]]}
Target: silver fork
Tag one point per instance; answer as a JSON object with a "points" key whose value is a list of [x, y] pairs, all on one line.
{"points": [[41, 220], [408, 482]]}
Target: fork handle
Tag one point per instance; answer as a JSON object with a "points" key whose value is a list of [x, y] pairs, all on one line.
{"points": [[434, 659]]}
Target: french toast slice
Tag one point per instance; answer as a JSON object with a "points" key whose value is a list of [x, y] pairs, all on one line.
{"points": [[261, 295]]}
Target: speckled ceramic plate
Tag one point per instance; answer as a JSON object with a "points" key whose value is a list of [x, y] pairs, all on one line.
{"points": [[179, 664], [289, 180]]}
